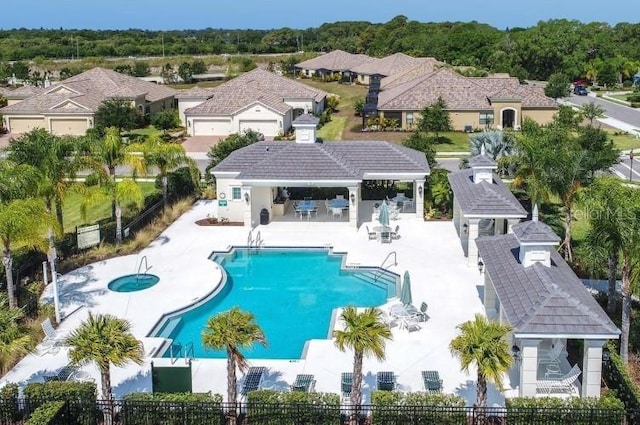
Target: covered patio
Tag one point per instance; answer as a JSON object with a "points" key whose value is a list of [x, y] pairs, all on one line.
{"points": [[261, 182]]}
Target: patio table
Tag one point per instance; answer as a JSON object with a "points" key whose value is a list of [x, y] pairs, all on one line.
{"points": [[400, 198], [338, 203], [306, 208]]}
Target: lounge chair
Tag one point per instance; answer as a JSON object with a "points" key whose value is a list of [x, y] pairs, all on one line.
{"points": [[63, 374], [346, 381], [386, 381], [563, 384], [50, 334], [372, 235], [552, 355], [304, 383], [432, 381], [252, 380]]}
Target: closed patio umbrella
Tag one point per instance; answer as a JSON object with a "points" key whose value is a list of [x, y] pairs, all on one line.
{"points": [[405, 292], [383, 217]]}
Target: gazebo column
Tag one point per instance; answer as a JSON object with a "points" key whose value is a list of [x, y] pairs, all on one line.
{"points": [[472, 248], [418, 197], [456, 216], [510, 223], [592, 367], [498, 226], [528, 367], [247, 199], [354, 202]]}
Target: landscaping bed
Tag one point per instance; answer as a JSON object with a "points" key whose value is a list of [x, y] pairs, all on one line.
{"points": [[215, 222]]}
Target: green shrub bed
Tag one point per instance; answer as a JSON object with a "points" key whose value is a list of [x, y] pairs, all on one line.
{"points": [[269, 407], [172, 408], [396, 408]]}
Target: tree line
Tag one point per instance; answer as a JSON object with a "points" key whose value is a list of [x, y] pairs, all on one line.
{"points": [[574, 48]]}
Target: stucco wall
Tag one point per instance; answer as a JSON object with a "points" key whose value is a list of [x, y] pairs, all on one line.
{"points": [[184, 104], [460, 119], [541, 116], [234, 210], [498, 107]]}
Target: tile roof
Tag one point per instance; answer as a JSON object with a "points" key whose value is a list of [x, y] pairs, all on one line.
{"points": [[23, 92], [87, 91], [459, 92], [484, 198], [306, 119], [539, 299], [535, 231], [422, 67], [341, 160], [482, 161], [195, 92], [336, 60], [389, 65], [255, 86]]}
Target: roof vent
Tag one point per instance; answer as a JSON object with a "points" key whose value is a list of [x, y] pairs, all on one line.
{"points": [[536, 241], [305, 128], [482, 167]]}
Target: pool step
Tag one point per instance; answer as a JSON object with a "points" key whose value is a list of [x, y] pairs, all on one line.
{"points": [[377, 278], [170, 327]]}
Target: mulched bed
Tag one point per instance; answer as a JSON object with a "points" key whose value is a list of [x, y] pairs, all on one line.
{"points": [[206, 222]]}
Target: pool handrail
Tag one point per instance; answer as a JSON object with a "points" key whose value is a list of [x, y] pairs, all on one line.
{"points": [[146, 264]]}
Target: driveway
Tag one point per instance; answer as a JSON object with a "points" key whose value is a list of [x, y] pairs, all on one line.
{"points": [[619, 112], [195, 144]]}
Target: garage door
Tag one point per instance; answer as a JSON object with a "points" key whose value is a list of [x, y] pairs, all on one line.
{"points": [[76, 127], [268, 128], [211, 127], [23, 125]]}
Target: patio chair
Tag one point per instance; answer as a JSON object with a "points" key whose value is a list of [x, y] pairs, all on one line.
{"points": [[372, 235], [396, 233], [563, 384], [386, 381], [346, 380], [552, 355], [252, 380], [336, 212], [423, 312], [411, 324], [385, 237], [303, 383], [52, 335], [339, 196], [407, 204], [327, 205], [63, 374], [432, 381]]}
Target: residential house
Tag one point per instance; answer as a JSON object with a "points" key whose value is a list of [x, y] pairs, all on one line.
{"points": [[69, 106], [336, 62], [258, 100], [472, 102], [392, 65]]}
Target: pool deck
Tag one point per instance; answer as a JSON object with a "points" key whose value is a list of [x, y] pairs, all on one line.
{"points": [[430, 251]]}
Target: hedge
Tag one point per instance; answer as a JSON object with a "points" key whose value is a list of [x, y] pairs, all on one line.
{"points": [[172, 408], [616, 376], [392, 407], [46, 413], [606, 410], [270, 407], [83, 411], [9, 408]]}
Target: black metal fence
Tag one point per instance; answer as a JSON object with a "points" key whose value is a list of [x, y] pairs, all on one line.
{"points": [[124, 412]]}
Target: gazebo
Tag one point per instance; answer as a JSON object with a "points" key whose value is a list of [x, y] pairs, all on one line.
{"points": [[247, 181]]}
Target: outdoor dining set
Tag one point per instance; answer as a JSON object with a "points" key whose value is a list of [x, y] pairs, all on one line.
{"points": [[308, 207]]}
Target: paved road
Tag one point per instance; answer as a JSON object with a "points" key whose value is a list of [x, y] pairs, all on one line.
{"points": [[625, 169], [613, 110]]}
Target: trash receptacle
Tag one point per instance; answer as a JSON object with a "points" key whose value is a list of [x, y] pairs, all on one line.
{"points": [[264, 216]]}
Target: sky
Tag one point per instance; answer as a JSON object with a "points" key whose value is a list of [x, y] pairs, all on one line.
{"points": [[268, 14]]}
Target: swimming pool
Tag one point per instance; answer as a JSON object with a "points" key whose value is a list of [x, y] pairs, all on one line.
{"points": [[291, 292]]}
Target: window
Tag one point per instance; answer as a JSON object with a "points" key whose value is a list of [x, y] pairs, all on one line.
{"points": [[409, 118], [486, 118], [236, 193]]}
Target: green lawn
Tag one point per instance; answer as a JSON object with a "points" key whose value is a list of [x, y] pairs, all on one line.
{"points": [[333, 129], [624, 141], [348, 93], [147, 131], [71, 208], [458, 141]]}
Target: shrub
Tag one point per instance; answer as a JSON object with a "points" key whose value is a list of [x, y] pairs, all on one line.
{"points": [[9, 404], [391, 407], [635, 104], [552, 410], [180, 183], [46, 413], [616, 376], [60, 390], [633, 98], [290, 408], [172, 408]]}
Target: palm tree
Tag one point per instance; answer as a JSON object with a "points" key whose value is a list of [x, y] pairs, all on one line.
{"points": [[591, 111], [23, 222], [483, 344], [105, 340], [122, 193], [366, 334], [233, 331], [166, 157], [15, 342], [54, 157]]}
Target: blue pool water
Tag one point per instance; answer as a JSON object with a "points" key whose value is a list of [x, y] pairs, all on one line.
{"points": [[133, 282], [291, 294]]}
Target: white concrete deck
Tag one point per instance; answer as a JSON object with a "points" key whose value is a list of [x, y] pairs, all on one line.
{"points": [[430, 251]]}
